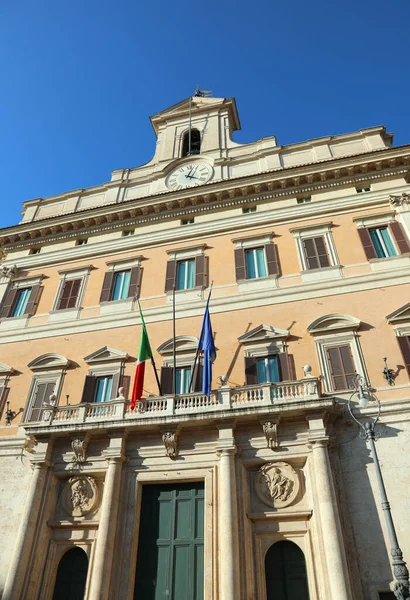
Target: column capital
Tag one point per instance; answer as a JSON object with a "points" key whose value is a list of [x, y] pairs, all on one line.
{"points": [[322, 442], [228, 451]]}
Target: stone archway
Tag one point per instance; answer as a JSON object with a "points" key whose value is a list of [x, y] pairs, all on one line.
{"points": [[71, 575], [285, 572]]}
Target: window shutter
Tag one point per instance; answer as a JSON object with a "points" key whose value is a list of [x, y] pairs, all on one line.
{"points": [[135, 282], [171, 274], [404, 343], [310, 253], [399, 236], [115, 385], [197, 382], [125, 383], [321, 251], [107, 287], [287, 366], [42, 393], [367, 243], [240, 264], [342, 367], [348, 364], [251, 373], [272, 259], [89, 389], [167, 384], [33, 300], [4, 392], [201, 271], [8, 302], [69, 294]]}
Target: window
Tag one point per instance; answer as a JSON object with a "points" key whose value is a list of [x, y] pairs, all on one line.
{"points": [[187, 270], [381, 236], [20, 303], [103, 389], [35, 251], [268, 369], [255, 261], [341, 366], [41, 396], [362, 189], [185, 274], [121, 285], [185, 354], [404, 343], [303, 200], [49, 370], [187, 221], [82, 242], [191, 143], [69, 294], [128, 232], [249, 209], [183, 379], [382, 242], [315, 252]]}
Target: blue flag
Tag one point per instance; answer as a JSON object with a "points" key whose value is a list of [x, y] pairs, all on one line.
{"points": [[206, 344]]}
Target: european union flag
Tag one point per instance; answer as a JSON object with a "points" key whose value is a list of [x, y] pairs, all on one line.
{"points": [[206, 344]]}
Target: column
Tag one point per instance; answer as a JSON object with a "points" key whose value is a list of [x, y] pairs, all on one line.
{"points": [[337, 571], [104, 548], [227, 519], [23, 546]]}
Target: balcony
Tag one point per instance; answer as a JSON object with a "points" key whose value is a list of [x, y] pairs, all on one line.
{"points": [[223, 402]]}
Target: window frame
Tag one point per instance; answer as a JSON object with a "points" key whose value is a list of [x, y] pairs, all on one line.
{"points": [[272, 263], [179, 255], [66, 275], [186, 347], [18, 284], [47, 368], [107, 362], [112, 306], [388, 219], [323, 230]]}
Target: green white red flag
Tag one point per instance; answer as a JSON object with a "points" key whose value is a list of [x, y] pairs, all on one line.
{"points": [[144, 354]]}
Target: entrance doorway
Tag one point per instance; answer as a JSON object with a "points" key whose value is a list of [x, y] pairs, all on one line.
{"points": [[71, 575], [170, 562], [285, 572]]}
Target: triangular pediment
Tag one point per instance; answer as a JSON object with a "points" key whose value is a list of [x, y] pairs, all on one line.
{"points": [[401, 315], [183, 343], [334, 322], [263, 333], [5, 369], [49, 361], [106, 354]]}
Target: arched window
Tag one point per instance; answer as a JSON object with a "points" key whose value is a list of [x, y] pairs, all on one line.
{"points": [[195, 143], [71, 575], [285, 572]]}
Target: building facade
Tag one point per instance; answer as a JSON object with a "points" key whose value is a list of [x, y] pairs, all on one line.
{"points": [[263, 490]]}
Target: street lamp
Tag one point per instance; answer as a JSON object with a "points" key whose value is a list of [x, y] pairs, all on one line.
{"points": [[400, 571]]}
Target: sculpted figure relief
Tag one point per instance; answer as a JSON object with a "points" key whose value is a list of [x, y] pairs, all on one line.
{"points": [[277, 484], [79, 495]]}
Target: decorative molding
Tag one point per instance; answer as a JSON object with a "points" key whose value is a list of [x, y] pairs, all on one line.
{"points": [[5, 370], [106, 354], [270, 430], [49, 361], [170, 440], [277, 484], [80, 495], [183, 343], [399, 200], [263, 333], [29, 443], [79, 446], [399, 316], [333, 322]]}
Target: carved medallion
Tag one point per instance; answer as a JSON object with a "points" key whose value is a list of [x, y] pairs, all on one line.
{"points": [[277, 484], [79, 495]]}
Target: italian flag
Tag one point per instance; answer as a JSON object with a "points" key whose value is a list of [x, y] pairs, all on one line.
{"points": [[144, 354]]}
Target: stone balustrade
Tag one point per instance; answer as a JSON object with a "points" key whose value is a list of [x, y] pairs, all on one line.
{"points": [[223, 399]]}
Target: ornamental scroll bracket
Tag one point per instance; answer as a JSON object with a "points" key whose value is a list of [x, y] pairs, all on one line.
{"points": [[270, 430], [79, 447], [170, 440]]}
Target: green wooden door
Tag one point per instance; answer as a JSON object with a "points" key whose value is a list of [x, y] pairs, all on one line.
{"points": [[285, 570], [170, 561], [71, 575]]}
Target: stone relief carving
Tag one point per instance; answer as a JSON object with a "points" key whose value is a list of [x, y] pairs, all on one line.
{"points": [[170, 440], [271, 434], [29, 443], [399, 200], [7, 271], [79, 447], [277, 484], [79, 495]]}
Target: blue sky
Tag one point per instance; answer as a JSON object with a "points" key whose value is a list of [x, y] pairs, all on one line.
{"points": [[80, 78]]}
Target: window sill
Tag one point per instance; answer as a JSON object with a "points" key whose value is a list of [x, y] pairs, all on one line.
{"points": [[116, 306], [322, 274], [66, 314], [186, 295], [15, 322], [389, 263], [260, 283]]}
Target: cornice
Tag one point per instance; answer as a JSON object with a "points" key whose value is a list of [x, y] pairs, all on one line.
{"points": [[217, 194]]}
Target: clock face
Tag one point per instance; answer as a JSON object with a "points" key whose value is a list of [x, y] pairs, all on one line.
{"points": [[189, 175]]}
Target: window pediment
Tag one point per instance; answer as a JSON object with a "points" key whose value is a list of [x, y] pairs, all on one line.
{"points": [[49, 361], [5, 369], [263, 333], [183, 343], [334, 322], [401, 315], [106, 354]]}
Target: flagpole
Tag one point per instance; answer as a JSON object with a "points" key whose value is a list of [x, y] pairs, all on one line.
{"points": [[198, 350], [152, 358], [174, 350]]}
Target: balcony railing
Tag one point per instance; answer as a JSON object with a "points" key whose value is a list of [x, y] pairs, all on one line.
{"points": [[223, 399]]}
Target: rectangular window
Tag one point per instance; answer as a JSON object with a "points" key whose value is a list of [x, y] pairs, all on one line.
{"points": [[183, 379], [303, 200], [34, 251], [249, 209], [121, 285], [69, 294], [41, 394], [341, 365], [128, 232], [316, 252], [82, 242], [185, 274], [20, 303], [268, 369], [187, 221], [103, 388], [255, 261], [362, 189], [382, 242]]}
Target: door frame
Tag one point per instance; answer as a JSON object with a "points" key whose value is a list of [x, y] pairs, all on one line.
{"points": [[205, 475]]}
